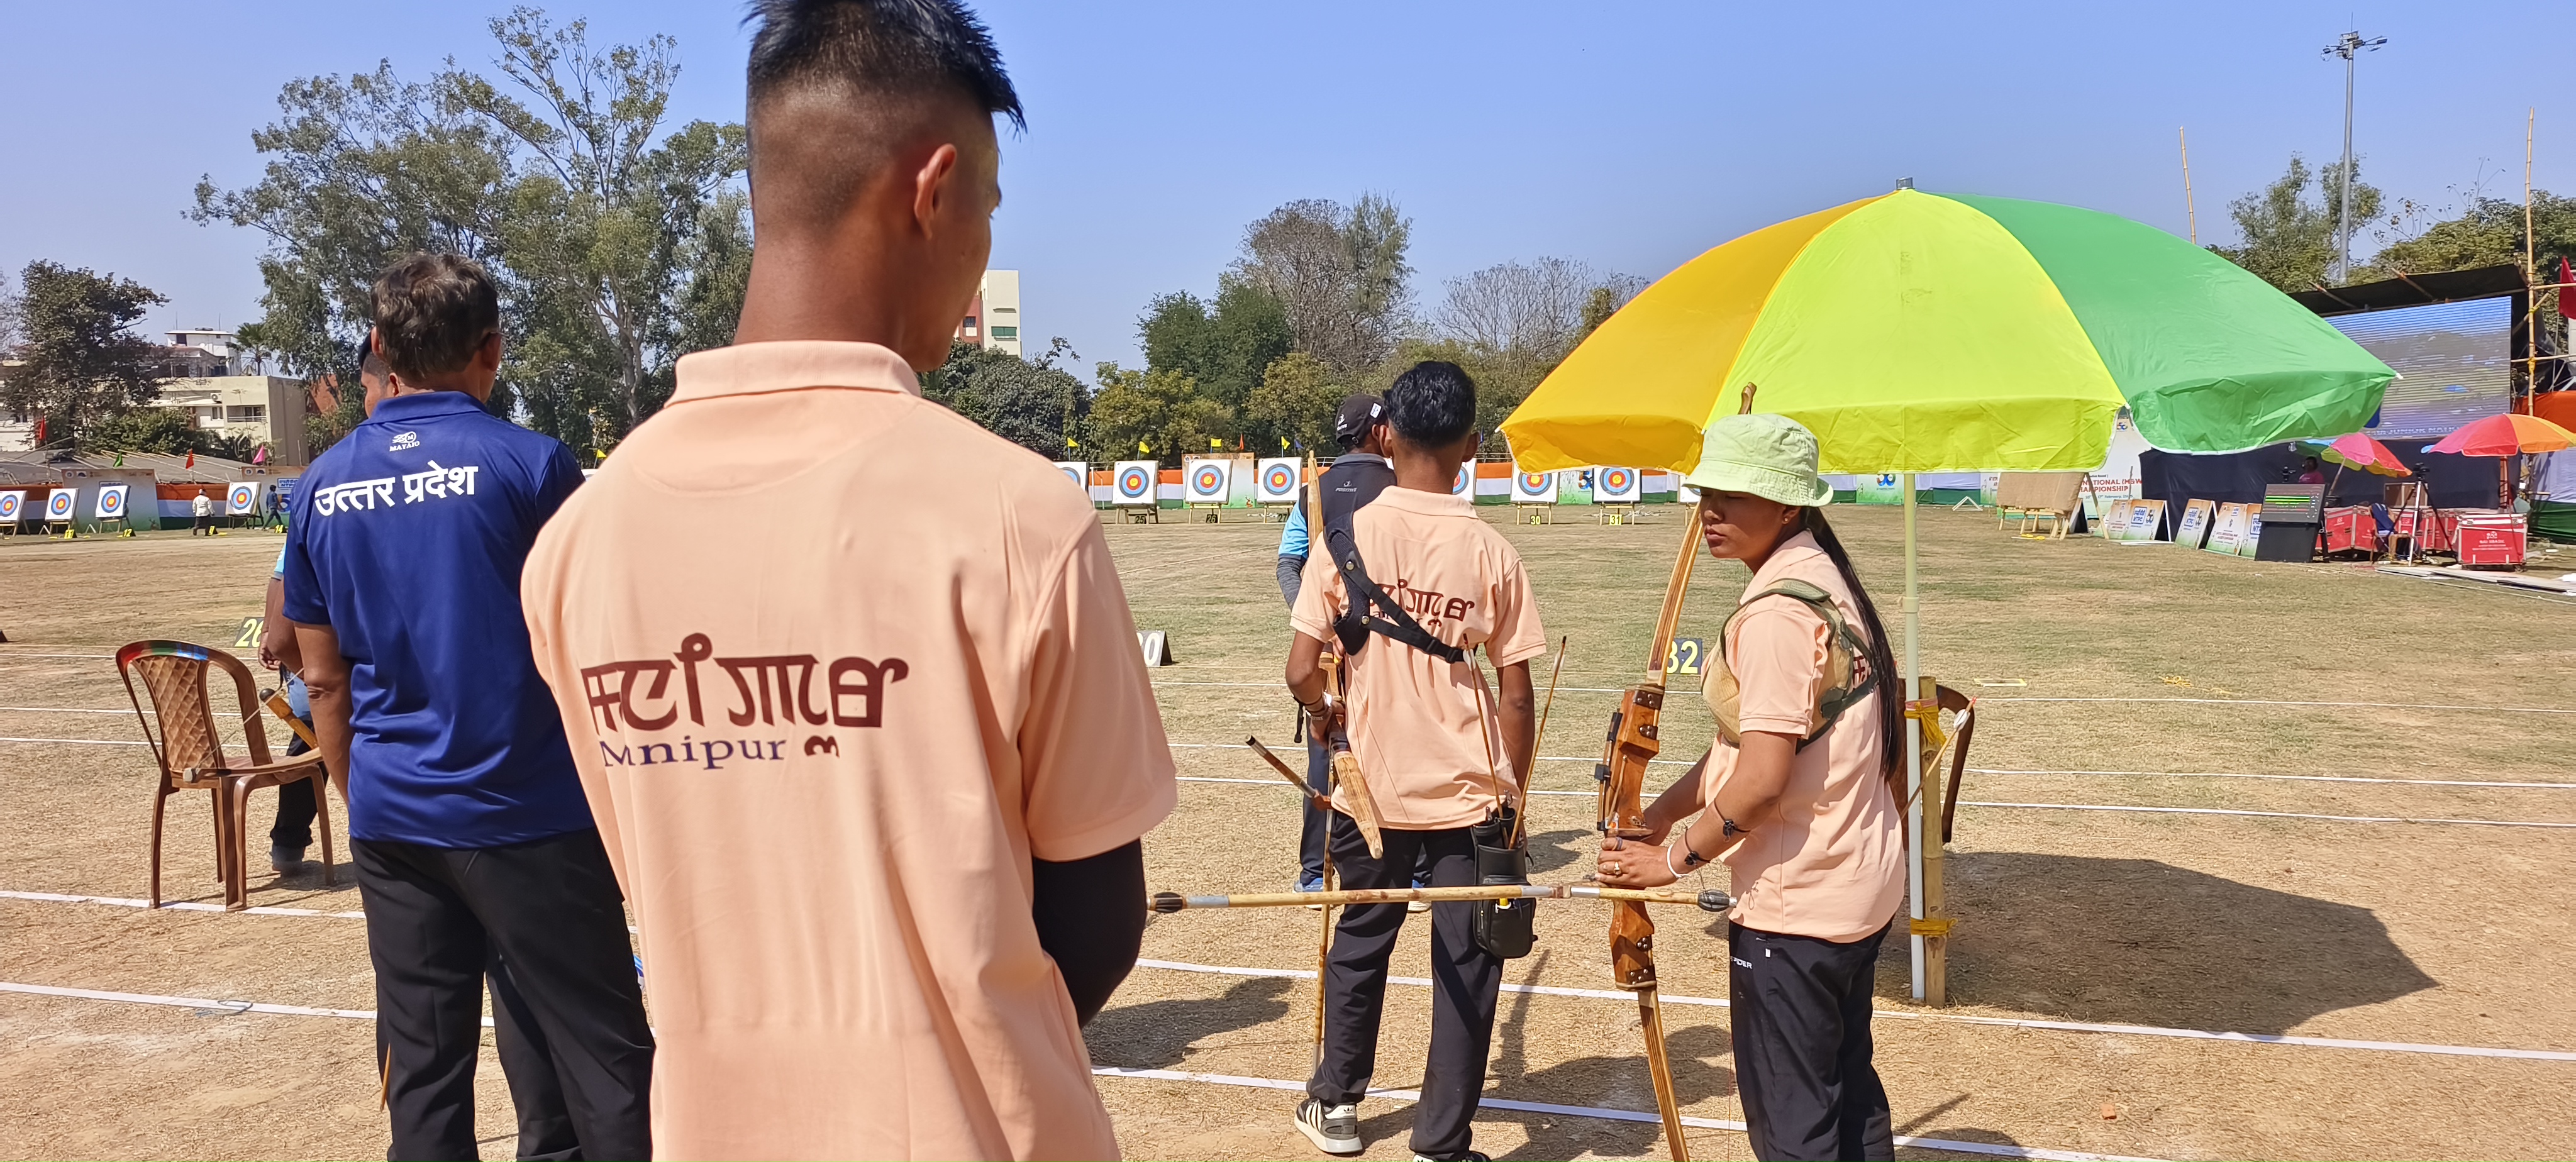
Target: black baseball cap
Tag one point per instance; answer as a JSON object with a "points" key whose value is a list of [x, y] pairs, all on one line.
{"points": [[1358, 414]]}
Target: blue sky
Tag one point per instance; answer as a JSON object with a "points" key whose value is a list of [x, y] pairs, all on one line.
{"points": [[1629, 136]]}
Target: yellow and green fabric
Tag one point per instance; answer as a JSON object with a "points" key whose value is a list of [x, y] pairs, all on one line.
{"points": [[1919, 332]]}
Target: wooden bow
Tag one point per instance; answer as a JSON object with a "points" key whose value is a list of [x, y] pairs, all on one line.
{"points": [[1635, 739]]}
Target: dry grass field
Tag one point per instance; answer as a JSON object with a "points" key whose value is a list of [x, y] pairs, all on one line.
{"points": [[2396, 978]]}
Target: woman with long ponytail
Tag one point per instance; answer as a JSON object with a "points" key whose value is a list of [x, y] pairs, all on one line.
{"points": [[1796, 798]]}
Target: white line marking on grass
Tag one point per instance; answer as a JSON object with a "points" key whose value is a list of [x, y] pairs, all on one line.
{"points": [[2032, 698], [82, 741], [1959, 1018], [2292, 778], [83, 657], [2260, 814], [1425, 982], [1599, 1113], [2077, 807], [1403, 1095]]}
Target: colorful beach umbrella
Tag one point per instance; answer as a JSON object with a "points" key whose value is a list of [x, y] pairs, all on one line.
{"points": [[2509, 434], [2362, 452], [1917, 332]]}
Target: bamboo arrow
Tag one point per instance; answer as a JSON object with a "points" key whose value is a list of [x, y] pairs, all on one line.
{"points": [[1165, 903]]}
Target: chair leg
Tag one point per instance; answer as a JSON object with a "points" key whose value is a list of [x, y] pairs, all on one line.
{"points": [[237, 893], [160, 798], [322, 822], [223, 847]]}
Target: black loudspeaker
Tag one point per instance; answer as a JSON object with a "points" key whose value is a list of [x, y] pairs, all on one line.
{"points": [[2287, 542]]}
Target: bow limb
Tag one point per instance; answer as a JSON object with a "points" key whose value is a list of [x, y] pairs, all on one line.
{"points": [[1635, 738]]}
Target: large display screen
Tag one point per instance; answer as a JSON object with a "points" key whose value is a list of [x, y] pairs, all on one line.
{"points": [[2453, 362]]}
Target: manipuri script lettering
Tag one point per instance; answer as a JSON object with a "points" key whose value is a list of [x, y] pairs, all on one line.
{"points": [[432, 483], [768, 689]]}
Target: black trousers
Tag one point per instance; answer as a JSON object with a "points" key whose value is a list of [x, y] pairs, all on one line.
{"points": [[295, 806], [1802, 1046], [205, 525], [1465, 980], [542, 921]]}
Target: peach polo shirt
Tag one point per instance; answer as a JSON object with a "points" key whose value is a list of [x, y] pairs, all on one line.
{"points": [[1827, 859], [1424, 730], [836, 664]]}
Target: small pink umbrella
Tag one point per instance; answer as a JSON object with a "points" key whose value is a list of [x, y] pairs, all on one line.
{"points": [[2369, 455]]}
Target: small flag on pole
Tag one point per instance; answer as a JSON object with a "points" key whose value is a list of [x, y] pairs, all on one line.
{"points": [[1068, 442], [1142, 450], [192, 459], [1283, 443], [1215, 443]]}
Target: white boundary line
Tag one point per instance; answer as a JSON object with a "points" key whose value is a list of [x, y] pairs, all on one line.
{"points": [[1403, 1095], [82, 741], [2569, 786], [1602, 1114], [1536, 990], [5, 655], [2042, 698], [2079, 807], [1959, 1018]]}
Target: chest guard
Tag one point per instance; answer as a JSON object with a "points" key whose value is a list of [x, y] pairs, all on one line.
{"points": [[1848, 675]]}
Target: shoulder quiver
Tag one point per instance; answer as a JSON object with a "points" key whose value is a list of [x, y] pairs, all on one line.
{"points": [[1848, 674]]}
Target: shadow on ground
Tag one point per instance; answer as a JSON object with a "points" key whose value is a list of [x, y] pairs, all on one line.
{"points": [[2136, 941], [1158, 1034]]}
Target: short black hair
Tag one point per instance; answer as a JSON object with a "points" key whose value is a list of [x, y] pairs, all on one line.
{"points": [[432, 311], [1432, 403], [878, 48]]}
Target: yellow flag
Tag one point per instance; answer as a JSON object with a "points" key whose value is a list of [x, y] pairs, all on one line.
{"points": [[1283, 443], [1068, 442], [1141, 449], [1213, 442]]}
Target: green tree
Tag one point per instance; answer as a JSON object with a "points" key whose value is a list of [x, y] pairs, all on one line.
{"points": [[168, 431], [1033, 405], [1296, 401], [2489, 233], [82, 363], [619, 245], [2288, 237], [1162, 410], [1226, 346]]}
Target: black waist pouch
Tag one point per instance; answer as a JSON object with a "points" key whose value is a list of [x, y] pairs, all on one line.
{"points": [[1503, 927]]}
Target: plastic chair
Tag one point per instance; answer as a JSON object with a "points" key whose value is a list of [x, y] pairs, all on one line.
{"points": [[190, 752]]}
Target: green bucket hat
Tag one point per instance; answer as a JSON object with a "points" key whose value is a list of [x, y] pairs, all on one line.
{"points": [[1770, 456]]}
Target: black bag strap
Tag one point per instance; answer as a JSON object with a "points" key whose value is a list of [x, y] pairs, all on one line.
{"points": [[1372, 611]]}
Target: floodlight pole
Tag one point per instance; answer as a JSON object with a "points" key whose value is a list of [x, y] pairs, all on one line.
{"points": [[2347, 46]]}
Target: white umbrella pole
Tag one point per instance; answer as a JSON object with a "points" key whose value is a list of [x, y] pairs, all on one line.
{"points": [[1913, 745]]}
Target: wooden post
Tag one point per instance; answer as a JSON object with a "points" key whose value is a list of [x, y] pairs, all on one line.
{"points": [[1936, 908]]}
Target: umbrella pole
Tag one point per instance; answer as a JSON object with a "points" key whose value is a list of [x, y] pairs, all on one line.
{"points": [[1913, 746]]}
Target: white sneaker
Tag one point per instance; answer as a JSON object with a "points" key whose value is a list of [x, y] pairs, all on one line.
{"points": [[1333, 1130]]}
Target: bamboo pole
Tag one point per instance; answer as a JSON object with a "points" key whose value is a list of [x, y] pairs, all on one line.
{"points": [[1165, 903], [1912, 662]]}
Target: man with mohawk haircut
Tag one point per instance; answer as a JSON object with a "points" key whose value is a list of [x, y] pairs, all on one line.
{"points": [[874, 773]]}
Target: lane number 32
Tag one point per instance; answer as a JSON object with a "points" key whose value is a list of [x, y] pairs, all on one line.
{"points": [[1684, 656]]}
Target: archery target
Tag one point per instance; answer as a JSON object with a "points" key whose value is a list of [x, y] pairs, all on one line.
{"points": [[1616, 485], [110, 504], [1076, 471], [10, 504], [1132, 482], [1276, 481], [1533, 488], [59, 505], [241, 499], [1206, 481]]}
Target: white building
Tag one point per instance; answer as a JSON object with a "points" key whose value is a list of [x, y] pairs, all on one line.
{"points": [[993, 319], [267, 408]]}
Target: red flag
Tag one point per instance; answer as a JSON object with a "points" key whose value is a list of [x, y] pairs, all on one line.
{"points": [[2566, 275], [40, 431], [192, 459]]}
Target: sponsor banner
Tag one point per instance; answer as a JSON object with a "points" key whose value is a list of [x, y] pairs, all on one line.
{"points": [[2194, 528]]}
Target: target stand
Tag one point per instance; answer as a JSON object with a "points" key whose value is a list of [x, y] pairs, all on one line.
{"points": [[1617, 513]]}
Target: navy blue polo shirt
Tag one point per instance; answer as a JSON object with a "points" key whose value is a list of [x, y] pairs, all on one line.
{"points": [[407, 539]]}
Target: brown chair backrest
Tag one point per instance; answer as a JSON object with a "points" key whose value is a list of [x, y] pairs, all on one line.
{"points": [[174, 673]]}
